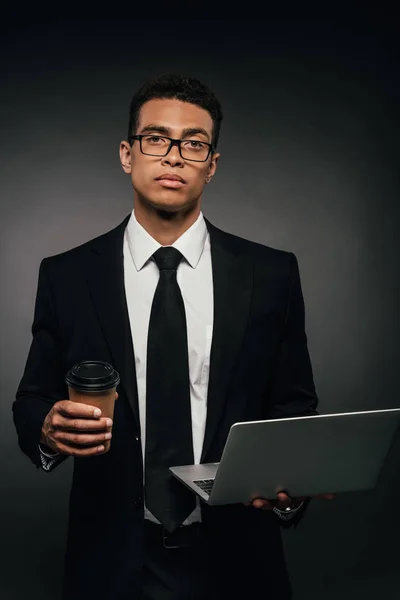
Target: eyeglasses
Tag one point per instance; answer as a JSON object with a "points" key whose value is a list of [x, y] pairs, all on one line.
{"points": [[155, 145]]}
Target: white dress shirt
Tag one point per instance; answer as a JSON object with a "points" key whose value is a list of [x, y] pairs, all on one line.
{"points": [[194, 276]]}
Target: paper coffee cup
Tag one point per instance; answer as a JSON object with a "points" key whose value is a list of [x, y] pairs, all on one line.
{"points": [[94, 382]]}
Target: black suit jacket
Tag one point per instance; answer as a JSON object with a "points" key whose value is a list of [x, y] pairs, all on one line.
{"points": [[259, 368]]}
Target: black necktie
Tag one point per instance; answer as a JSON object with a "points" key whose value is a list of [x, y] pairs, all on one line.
{"points": [[168, 414]]}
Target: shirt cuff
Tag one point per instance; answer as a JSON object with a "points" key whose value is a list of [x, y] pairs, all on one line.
{"points": [[47, 453], [287, 514], [48, 460]]}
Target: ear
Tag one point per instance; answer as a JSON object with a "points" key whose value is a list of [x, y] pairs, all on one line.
{"points": [[125, 155], [212, 167]]}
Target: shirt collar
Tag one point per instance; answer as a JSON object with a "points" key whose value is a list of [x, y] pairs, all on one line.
{"points": [[142, 245]]}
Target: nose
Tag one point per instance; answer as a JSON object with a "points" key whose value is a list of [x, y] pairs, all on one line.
{"points": [[173, 158]]}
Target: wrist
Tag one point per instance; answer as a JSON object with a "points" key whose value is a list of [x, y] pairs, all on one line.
{"points": [[43, 443]]}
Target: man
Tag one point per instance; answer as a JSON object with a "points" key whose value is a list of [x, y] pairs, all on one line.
{"points": [[205, 329]]}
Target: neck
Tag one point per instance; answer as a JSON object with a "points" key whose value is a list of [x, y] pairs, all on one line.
{"points": [[165, 227]]}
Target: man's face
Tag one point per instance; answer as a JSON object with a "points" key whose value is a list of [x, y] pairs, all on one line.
{"points": [[174, 119]]}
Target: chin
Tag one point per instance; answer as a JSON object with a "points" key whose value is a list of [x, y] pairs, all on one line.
{"points": [[171, 205]]}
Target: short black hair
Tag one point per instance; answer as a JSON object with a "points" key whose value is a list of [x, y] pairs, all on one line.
{"points": [[179, 87]]}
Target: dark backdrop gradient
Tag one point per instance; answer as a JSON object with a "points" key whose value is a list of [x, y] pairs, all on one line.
{"points": [[309, 163]]}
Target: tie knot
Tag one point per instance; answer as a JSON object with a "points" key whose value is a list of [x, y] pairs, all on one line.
{"points": [[167, 257]]}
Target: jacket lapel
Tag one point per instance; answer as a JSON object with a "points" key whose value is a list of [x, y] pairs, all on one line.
{"points": [[104, 269], [232, 281]]}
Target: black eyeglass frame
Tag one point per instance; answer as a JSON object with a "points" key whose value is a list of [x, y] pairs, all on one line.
{"points": [[172, 142]]}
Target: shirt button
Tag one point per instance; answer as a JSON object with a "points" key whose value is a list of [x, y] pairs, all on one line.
{"points": [[136, 438], [137, 503]]}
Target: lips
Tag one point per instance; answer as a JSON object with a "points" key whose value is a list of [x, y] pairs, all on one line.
{"points": [[171, 177], [171, 181]]}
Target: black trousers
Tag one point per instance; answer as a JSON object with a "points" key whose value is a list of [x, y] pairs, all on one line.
{"points": [[176, 573], [204, 570]]}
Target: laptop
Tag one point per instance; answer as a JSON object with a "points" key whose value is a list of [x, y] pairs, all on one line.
{"points": [[302, 456]]}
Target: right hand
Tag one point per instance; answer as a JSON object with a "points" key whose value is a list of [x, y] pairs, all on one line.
{"points": [[71, 428]]}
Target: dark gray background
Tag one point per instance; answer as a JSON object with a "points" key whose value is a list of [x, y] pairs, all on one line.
{"points": [[309, 163]]}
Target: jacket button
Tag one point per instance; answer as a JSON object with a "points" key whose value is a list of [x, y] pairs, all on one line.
{"points": [[137, 503]]}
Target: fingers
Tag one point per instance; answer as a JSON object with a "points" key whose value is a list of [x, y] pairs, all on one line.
{"points": [[70, 409], [80, 451], [282, 502], [80, 440], [81, 425], [74, 416], [262, 503], [78, 443], [74, 429]]}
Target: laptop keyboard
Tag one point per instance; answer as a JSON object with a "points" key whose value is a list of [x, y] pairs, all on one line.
{"points": [[205, 484]]}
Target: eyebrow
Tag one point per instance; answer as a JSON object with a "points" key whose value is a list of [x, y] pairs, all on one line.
{"points": [[166, 131]]}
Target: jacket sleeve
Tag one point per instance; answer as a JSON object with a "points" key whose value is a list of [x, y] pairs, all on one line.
{"points": [[42, 382], [291, 390]]}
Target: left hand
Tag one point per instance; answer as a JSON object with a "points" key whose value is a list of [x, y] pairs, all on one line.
{"points": [[283, 501]]}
